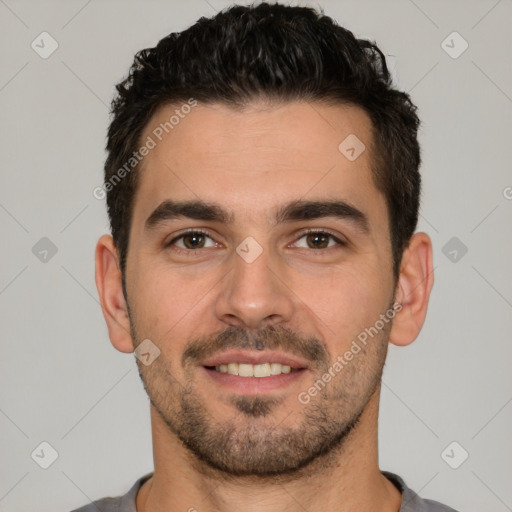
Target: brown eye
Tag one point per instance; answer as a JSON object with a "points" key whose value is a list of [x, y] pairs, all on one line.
{"points": [[318, 240], [192, 240]]}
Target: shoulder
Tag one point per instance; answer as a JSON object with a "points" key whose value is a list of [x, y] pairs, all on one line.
{"points": [[435, 506], [418, 504], [103, 505], [125, 503], [412, 502]]}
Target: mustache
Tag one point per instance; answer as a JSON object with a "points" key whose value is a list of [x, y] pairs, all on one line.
{"points": [[269, 338]]}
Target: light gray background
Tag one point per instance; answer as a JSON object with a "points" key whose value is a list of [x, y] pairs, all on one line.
{"points": [[61, 380]]}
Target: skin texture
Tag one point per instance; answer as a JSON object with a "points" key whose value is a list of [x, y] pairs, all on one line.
{"points": [[216, 447]]}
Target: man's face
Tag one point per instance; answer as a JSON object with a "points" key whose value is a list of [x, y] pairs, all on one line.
{"points": [[244, 283]]}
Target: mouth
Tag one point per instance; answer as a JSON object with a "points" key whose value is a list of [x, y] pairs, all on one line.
{"points": [[253, 370], [253, 373]]}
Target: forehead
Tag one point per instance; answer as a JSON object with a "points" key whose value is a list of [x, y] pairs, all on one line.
{"points": [[254, 159]]}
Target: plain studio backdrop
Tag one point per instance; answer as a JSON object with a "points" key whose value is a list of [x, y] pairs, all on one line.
{"points": [[446, 409]]}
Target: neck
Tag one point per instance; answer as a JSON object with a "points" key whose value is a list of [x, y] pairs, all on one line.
{"points": [[344, 480]]}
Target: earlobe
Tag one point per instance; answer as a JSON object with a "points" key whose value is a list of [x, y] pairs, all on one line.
{"points": [[113, 304], [413, 290]]}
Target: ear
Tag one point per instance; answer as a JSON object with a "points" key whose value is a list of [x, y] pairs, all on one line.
{"points": [[413, 290], [110, 290]]}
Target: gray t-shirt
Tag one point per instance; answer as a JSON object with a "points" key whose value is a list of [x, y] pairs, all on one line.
{"points": [[411, 502]]}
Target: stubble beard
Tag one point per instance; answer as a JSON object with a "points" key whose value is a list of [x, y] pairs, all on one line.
{"points": [[246, 445]]}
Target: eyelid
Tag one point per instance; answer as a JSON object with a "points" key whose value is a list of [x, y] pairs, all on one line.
{"points": [[187, 231], [335, 236], [297, 236]]}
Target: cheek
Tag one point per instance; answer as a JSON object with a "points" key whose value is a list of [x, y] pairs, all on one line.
{"points": [[170, 303], [346, 302]]}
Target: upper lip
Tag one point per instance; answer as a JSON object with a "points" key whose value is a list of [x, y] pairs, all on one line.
{"points": [[255, 357]]}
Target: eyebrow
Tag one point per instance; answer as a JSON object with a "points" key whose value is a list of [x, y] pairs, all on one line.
{"points": [[294, 211], [198, 210]]}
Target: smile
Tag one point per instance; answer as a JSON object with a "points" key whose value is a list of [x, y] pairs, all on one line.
{"points": [[253, 370]]}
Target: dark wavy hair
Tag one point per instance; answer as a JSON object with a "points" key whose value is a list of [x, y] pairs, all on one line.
{"points": [[279, 53]]}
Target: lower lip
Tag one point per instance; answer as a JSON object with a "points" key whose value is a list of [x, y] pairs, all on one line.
{"points": [[254, 385]]}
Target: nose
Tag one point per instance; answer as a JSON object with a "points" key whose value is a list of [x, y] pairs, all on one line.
{"points": [[254, 295]]}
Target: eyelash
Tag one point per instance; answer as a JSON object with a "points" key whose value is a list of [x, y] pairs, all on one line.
{"points": [[198, 231]]}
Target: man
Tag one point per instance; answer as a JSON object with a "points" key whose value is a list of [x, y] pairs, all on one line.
{"points": [[263, 189]]}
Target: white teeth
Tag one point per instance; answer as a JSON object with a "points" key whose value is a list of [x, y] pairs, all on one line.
{"points": [[245, 370], [275, 368], [254, 370], [262, 370], [233, 368]]}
